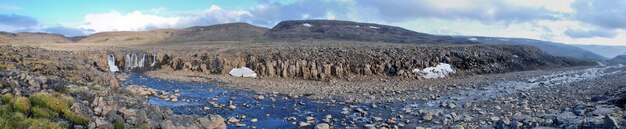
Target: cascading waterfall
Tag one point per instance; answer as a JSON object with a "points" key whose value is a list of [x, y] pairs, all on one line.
{"points": [[111, 63], [153, 60], [139, 60]]}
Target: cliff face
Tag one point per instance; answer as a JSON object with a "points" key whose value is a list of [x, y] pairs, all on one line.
{"points": [[323, 63], [347, 30]]}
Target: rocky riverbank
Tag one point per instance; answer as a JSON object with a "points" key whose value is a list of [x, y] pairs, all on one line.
{"points": [[94, 94]]}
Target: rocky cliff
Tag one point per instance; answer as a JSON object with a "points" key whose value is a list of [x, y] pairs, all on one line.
{"points": [[323, 63], [347, 30]]}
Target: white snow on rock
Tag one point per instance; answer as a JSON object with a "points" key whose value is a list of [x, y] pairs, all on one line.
{"points": [[307, 25], [111, 63], [440, 71], [373, 27], [242, 72], [473, 39]]}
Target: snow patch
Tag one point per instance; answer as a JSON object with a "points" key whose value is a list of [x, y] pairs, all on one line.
{"points": [[111, 63], [242, 72], [440, 71], [307, 25], [373, 27], [473, 39]]}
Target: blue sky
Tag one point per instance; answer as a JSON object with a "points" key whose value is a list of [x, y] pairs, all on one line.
{"points": [[568, 21]]}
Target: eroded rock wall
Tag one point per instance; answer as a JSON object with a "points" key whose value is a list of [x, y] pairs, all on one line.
{"points": [[322, 63]]}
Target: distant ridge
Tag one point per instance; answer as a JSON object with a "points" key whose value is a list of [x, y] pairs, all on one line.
{"points": [[27, 37], [348, 30], [552, 48]]}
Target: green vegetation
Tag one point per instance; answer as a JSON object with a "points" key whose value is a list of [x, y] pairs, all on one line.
{"points": [[75, 118], [17, 113], [6, 98], [21, 104], [59, 104], [7, 66], [118, 125], [39, 112]]}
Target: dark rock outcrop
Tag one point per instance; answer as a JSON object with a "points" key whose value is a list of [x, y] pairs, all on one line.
{"points": [[322, 63], [347, 30]]}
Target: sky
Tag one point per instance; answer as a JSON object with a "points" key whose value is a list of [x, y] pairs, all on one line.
{"points": [[568, 21]]}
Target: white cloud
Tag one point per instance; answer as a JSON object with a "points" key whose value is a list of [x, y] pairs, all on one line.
{"points": [[134, 21], [154, 19]]}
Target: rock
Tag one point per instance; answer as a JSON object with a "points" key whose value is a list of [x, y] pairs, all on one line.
{"points": [[127, 113], [427, 117], [610, 123], [254, 120], [168, 124], [452, 105], [502, 124], [260, 97], [233, 120], [103, 124], [232, 107], [304, 124], [377, 119], [213, 122], [322, 126], [457, 127]]}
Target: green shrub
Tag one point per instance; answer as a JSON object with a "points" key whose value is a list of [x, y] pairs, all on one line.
{"points": [[55, 103], [5, 109], [21, 104], [41, 124], [75, 118], [118, 125], [11, 120], [38, 112], [59, 104], [6, 98]]}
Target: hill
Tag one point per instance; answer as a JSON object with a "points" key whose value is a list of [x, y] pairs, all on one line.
{"points": [[606, 51], [129, 36], [347, 30], [219, 32], [552, 48], [618, 59], [26, 37]]}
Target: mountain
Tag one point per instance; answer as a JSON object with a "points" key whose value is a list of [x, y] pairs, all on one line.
{"points": [[606, 51], [347, 30], [552, 48], [618, 59], [120, 37], [219, 32], [26, 37]]}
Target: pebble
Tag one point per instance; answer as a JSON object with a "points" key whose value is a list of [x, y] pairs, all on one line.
{"points": [[232, 107], [232, 120], [304, 124], [322, 126], [254, 120]]}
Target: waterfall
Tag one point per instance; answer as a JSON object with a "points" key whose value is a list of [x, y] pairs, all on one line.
{"points": [[153, 60], [111, 63], [139, 61]]}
